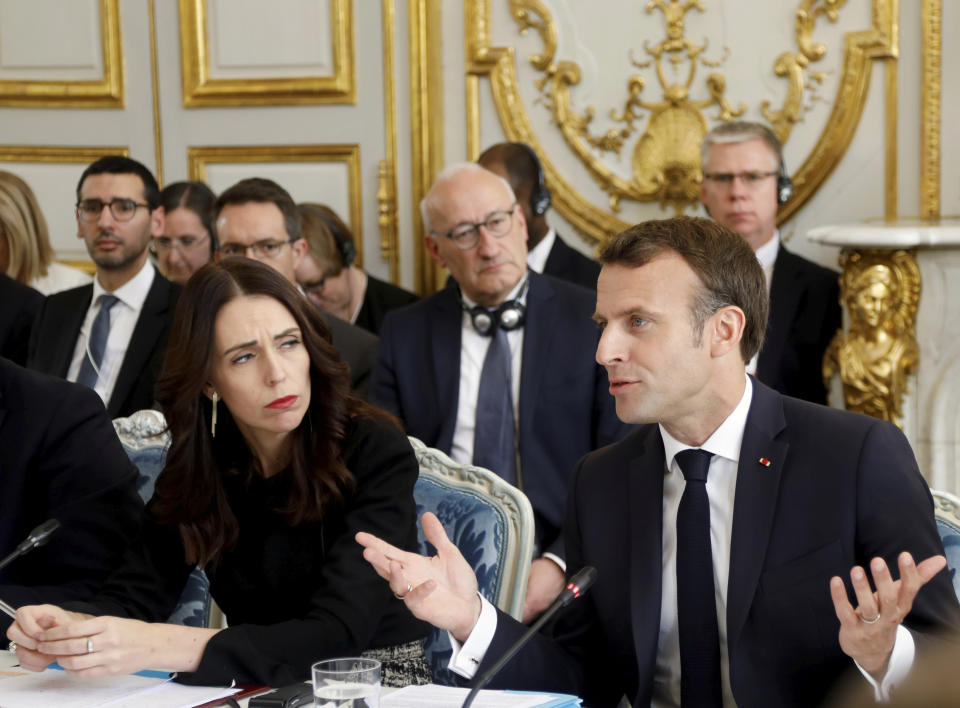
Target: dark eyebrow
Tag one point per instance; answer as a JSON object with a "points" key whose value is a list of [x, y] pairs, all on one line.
{"points": [[244, 345]]}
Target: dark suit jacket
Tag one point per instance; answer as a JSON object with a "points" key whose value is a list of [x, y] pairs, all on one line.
{"points": [[569, 264], [804, 316], [60, 458], [841, 489], [565, 408], [57, 328], [19, 305], [357, 347], [380, 298]]}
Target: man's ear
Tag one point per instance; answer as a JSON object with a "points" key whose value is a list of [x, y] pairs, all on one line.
{"points": [[726, 330], [299, 248], [434, 250], [157, 217]]}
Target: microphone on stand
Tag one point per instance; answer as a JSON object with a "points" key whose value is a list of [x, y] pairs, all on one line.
{"points": [[34, 539], [578, 585]]}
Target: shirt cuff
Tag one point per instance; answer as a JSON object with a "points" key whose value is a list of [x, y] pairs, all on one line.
{"points": [[558, 560], [466, 657], [901, 661]]}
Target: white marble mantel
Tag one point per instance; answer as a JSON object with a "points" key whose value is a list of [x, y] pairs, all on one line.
{"points": [[932, 405]]}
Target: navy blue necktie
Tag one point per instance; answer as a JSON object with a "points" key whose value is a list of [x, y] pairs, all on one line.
{"points": [[700, 683], [493, 445], [96, 343]]}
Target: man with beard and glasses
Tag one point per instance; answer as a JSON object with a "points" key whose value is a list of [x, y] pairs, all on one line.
{"points": [[111, 335]]}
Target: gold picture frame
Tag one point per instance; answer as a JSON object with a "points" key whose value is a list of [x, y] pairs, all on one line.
{"points": [[199, 157], [106, 92], [199, 89]]}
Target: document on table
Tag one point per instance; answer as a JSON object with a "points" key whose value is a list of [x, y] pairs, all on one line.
{"points": [[433, 696], [59, 689]]}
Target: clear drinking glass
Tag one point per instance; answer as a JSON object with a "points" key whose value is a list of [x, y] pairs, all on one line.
{"points": [[346, 683]]}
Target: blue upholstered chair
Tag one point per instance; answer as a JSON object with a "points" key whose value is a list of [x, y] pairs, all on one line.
{"points": [[145, 440], [947, 507], [490, 521]]}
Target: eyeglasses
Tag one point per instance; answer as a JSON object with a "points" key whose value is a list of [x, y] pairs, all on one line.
{"points": [[316, 287], [267, 248], [466, 235], [749, 179], [122, 209], [184, 244]]}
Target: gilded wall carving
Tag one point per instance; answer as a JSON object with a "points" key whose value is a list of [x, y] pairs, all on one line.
{"points": [[880, 291], [678, 89]]}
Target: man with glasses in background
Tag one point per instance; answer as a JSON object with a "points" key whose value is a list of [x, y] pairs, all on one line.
{"points": [[499, 371], [258, 219], [111, 335], [744, 183]]}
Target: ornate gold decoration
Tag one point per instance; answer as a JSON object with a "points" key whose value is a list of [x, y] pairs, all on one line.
{"points": [[199, 89], [880, 41], [199, 157], [930, 99], [891, 115], [881, 291], [666, 158], [426, 120], [106, 92], [155, 84], [386, 171]]}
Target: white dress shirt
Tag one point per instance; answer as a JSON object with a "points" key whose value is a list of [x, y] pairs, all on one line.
{"points": [[725, 444], [767, 255], [537, 256], [473, 350], [123, 319]]}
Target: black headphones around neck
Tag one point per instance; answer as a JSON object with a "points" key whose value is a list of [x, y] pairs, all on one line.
{"points": [[539, 195], [344, 245], [510, 315]]}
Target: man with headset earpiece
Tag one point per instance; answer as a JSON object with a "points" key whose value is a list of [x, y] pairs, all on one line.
{"points": [[499, 371], [330, 277], [548, 253], [744, 182]]}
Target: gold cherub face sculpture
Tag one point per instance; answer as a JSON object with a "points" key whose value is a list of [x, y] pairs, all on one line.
{"points": [[874, 297]]}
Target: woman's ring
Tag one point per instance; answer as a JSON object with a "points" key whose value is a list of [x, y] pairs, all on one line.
{"points": [[89, 645], [409, 589], [12, 647], [871, 621]]}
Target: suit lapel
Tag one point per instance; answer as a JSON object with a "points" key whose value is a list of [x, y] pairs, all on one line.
{"points": [[446, 329], [646, 471], [538, 336], [66, 331], [143, 341], [785, 292], [754, 503]]}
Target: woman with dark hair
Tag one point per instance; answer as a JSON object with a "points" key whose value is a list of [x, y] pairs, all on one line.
{"points": [[272, 469], [187, 243]]}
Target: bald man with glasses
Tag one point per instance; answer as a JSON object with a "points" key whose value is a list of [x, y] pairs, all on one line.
{"points": [[111, 335], [498, 371]]}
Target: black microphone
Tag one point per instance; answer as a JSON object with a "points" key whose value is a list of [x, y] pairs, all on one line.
{"points": [[36, 538], [578, 585]]}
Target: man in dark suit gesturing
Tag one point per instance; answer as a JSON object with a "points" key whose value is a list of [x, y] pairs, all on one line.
{"points": [[498, 371], [111, 335], [722, 529], [744, 183]]}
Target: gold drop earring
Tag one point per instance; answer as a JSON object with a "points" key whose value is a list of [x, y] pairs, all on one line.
{"points": [[213, 416]]}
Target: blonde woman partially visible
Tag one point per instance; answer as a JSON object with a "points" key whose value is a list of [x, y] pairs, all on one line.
{"points": [[25, 251]]}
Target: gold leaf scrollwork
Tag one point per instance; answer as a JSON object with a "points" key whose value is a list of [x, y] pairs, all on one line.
{"points": [[794, 66], [665, 162], [881, 291]]}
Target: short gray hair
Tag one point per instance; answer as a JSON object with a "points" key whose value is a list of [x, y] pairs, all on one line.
{"points": [[740, 131], [430, 201]]}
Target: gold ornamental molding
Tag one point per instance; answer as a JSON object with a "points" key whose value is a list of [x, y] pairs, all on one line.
{"points": [[881, 292], [387, 167], [665, 159], [199, 158], [199, 89], [155, 93], [106, 92], [62, 154], [932, 16]]}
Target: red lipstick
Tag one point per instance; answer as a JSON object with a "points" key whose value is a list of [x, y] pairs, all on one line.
{"points": [[282, 403]]}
